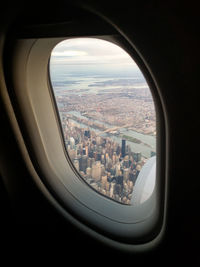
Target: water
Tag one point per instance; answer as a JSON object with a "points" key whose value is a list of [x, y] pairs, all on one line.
{"points": [[67, 83], [149, 140]]}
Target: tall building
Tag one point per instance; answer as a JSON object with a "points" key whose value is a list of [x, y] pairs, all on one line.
{"points": [[96, 170], [88, 171], [76, 163], [123, 148], [87, 133], [103, 161], [112, 189], [72, 142], [104, 181], [84, 151], [83, 163], [126, 163], [126, 174], [137, 156]]}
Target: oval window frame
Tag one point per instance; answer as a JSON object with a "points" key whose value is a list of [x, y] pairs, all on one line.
{"points": [[126, 229], [87, 40]]}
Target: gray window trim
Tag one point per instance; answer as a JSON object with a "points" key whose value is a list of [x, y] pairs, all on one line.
{"points": [[129, 223]]}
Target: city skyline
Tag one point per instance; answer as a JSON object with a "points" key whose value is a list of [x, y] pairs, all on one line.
{"points": [[106, 166], [107, 114]]}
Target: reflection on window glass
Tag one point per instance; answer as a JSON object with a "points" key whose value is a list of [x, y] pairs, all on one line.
{"points": [[107, 114]]}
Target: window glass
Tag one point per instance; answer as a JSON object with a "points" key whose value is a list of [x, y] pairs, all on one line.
{"points": [[107, 115]]}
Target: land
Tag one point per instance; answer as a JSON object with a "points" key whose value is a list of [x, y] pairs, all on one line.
{"points": [[133, 107], [91, 116]]}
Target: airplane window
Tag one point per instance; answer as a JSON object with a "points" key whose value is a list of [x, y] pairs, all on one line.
{"points": [[107, 117]]}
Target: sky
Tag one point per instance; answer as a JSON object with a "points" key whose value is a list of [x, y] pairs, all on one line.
{"points": [[91, 51], [92, 55]]}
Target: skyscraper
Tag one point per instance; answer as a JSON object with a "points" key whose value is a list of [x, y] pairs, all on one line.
{"points": [[123, 148], [137, 156], [83, 163], [96, 170], [76, 163]]}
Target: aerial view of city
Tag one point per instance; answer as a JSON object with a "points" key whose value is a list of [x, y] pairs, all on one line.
{"points": [[107, 114]]}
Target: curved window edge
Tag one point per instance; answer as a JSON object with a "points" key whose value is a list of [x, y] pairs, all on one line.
{"points": [[24, 50]]}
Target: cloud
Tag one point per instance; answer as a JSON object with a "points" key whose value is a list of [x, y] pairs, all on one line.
{"points": [[79, 51], [68, 53]]}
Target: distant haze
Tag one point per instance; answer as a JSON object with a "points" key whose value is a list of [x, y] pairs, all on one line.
{"points": [[92, 56]]}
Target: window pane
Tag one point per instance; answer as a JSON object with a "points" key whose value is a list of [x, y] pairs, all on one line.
{"points": [[107, 114]]}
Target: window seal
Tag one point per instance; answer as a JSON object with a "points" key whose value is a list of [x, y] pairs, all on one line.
{"points": [[48, 85]]}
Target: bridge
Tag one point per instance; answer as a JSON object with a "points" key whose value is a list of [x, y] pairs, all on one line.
{"points": [[116, 128]]}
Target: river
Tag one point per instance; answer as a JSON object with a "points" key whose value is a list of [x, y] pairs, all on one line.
{"points": [[148, 142]]}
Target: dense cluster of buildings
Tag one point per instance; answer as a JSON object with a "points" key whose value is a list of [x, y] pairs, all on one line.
{"points": [[108, 167], [118, 107]]}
